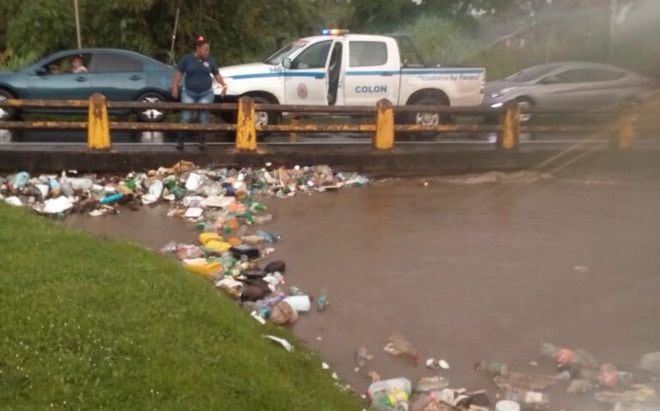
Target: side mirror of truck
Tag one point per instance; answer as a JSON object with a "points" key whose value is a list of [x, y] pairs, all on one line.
{"points": [[286, 63]]}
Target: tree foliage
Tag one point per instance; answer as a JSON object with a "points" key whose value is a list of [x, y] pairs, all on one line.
{"points": [[240, 31]]}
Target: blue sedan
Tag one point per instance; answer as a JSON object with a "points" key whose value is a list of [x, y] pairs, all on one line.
{"points": [[120, 75]]}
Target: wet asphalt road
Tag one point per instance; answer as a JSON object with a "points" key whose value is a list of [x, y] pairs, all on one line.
{"points": [[466, 269]]}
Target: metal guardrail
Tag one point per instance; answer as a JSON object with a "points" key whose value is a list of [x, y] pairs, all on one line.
{"points": [[384, 126]]}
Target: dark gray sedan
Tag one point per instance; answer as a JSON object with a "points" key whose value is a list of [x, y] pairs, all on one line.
{"points": [[569, 85], [120, 75]]}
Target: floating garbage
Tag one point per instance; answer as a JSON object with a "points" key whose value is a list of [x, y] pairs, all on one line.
{"points": [[398, 345], [55, 205], [434, 364], [390, 395], [428, 384], [650, 363], [517, 380], [230, 190], [361, 357]]}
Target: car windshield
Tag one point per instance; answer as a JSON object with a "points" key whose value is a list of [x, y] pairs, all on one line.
{"points": [[533, 73], [286, 51]]}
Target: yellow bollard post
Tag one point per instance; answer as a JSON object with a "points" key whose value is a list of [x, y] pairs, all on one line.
{"points": [[293, 135], [625, 128], [384, 137], [98, 127], [509, 135], [246, 132]]}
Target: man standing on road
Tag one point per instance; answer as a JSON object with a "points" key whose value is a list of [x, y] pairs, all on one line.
{"points": [[199, 69]]}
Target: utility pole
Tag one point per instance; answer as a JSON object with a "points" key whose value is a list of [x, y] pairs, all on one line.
{"points": [[613, 23], [176, 26], [75, 9]]}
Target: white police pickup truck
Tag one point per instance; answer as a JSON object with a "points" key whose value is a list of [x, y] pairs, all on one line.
{"points": [[337, 68]]}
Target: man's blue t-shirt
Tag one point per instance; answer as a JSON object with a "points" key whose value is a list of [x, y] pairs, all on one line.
{"points": [[197, 72]]}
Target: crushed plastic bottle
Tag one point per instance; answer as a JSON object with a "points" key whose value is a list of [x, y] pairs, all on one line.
{"points": [[434, 383], [493, 368], [361, 357], [322, 301]]}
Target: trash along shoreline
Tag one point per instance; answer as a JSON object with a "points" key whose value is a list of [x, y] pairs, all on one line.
{"points": [[236, 256]]}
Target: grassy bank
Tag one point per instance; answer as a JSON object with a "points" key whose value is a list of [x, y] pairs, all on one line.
{"points": [[89, 323]]}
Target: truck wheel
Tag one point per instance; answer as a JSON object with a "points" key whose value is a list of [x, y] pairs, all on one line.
{"points": [[6, 113], [151, 115], [428, 118], [264, 118]]}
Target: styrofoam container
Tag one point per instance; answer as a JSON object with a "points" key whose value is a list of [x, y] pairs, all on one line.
{"points": [[300, 303]]}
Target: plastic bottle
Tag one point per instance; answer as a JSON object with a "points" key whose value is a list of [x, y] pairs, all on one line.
{"points": [[293, 290], [262, 219], [268, 237], [20, 180], [112, 198], [322, 301], [256, 207], [493, 368], [361, 357]]}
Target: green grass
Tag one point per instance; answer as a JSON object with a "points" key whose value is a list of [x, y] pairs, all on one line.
{"points": [[91, 323]]}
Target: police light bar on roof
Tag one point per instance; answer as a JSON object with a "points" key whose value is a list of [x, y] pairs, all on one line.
{"points": [[334, 32]]}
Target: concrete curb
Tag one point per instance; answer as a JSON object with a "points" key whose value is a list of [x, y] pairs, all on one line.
{"points": [[409, 160]]}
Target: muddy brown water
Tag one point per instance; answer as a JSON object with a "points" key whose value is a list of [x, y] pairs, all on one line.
{"points": [[465, 269]]}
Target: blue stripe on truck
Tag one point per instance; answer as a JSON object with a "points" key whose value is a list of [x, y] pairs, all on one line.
{"points": [[321, 74], [279, 74]]}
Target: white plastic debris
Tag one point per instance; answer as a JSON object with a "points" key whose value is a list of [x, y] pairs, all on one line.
{"points": [[80, 183], [57, 205], [14, 201], [281, 341], [43, 189], [193, 182], [257, 317], [217, 202], [192, 201], [155, 193], [194, 212]]}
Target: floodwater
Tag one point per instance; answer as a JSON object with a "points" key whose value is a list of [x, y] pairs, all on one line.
{"points": [[467, 268]]}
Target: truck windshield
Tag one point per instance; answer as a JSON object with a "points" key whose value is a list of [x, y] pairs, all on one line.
{"points": [[286, 51]]}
